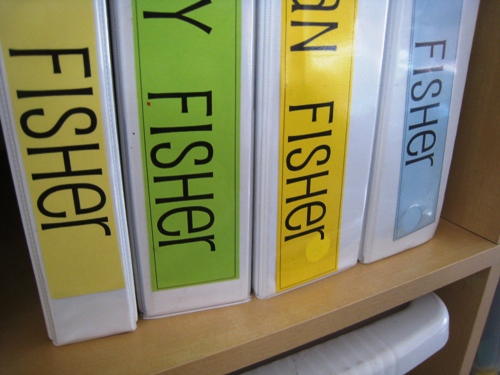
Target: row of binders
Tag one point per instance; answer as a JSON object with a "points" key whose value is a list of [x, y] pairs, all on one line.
{"points": [[182, 153]]}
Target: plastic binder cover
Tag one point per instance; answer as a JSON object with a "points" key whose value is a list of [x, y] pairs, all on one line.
{"points": [[426, 65], [392, 345], [317, 84], [58, 119], [185, 98]]}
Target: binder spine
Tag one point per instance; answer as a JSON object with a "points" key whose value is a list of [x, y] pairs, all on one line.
{"points": [[164, 108], [266, 142], [247, 142], [381, 137], [311, 176], [126, 104], [68, 178], [404, 204], [112, 148]]}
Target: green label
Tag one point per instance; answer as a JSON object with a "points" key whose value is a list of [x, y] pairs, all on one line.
{"points": [[188, 59]]}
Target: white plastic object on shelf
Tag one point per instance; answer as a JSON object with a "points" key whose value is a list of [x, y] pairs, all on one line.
{"points": [[389, 346]]}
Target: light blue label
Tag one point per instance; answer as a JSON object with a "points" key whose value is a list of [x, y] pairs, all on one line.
{"points": [[431, 69]]}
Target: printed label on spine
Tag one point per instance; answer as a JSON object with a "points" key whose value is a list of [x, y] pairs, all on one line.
{"points": [[317, 62], [431, 70], [52, 73], [188, 59]]}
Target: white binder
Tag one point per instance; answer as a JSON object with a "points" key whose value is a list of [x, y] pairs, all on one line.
{"points": [[361, 108], [176, 290], [425, 68], [58, 117]]}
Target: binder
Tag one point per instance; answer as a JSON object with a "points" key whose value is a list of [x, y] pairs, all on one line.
{"points": [[426, 65], [58, 118], [318, 70], [185, 89]]}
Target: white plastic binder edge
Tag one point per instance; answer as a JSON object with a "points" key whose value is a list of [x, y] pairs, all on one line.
{"points": [[85, 317], [378, 239], [267, 100], [200, 297], [369, 46], [392, 345]]}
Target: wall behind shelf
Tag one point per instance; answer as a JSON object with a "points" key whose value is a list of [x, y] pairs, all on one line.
{"points": [[473, 192]]}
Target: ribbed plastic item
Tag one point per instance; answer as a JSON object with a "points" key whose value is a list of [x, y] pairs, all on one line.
{"points": [[390, 346]]}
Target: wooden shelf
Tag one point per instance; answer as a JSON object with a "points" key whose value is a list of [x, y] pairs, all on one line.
{"points": [[226, 339]]}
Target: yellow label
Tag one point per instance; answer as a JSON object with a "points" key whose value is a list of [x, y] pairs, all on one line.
{"points": [[49, 54], [317, 61]]}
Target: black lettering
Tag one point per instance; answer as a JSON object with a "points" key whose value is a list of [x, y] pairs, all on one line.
{"points": [[314, 107], [309, 220], [208, 239], [424, 109], [308, 180], [156, 149], [419, 83], [305, 233], [184, 98], [49, 133], [300, 137], [181, 15], [65, 150], [320, 6], [293, 167], [74, 188], [185, 187], [429, 156], [54, 54], [180, 129], [425, 146], [23, 94], [428, 70], [303, 46], [432, 45], [99, 221], [190, 220]]}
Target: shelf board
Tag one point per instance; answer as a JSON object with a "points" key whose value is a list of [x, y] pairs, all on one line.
{"points": [[229, 338]]}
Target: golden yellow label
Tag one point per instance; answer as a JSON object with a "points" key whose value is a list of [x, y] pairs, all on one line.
{"points": [[49, 55], [317, 62]]}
